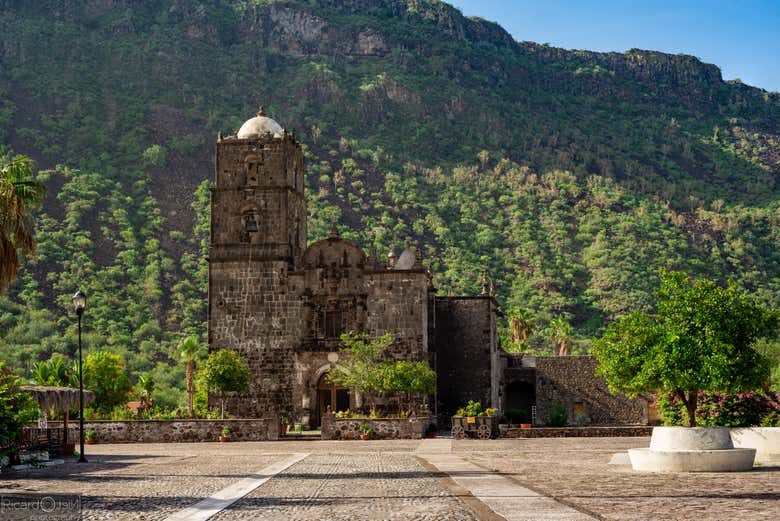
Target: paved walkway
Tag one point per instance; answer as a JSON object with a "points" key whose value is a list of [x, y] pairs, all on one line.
{"points": [[350, 487], [203, 510], [503, 496], [431, 480]]}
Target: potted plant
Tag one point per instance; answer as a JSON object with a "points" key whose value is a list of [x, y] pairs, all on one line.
{"points": [[283, 423], [224, 436], [519, 417], [91, 437], [700, 339], [366, 432]]}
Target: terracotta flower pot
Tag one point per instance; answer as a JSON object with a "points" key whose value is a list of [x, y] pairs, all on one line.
{"points": [[68, 449], [90, 442], [364, 436], [224, 439], [525, 425]]}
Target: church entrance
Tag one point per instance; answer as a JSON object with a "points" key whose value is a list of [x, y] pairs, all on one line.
{"points": [[330, 395]]}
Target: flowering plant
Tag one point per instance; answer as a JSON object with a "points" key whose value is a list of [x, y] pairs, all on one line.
{"points": [[727, 409]]}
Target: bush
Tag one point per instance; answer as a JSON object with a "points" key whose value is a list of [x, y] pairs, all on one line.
{"points": [[517, 416], [746, 409], [558, 416], [16, 409], [772, 419]]}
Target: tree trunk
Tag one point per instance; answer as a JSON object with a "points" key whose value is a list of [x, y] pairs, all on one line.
{"points": [[691, 402], [65, 428], [190, 390], [222, 406]]}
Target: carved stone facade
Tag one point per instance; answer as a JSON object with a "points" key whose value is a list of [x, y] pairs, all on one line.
{"points": [[283, 305]]}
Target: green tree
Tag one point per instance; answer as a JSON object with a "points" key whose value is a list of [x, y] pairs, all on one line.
{"points": [[561, 334], [145, 390], [700, 339], [360, 368], [225, 371], [20, 195], [155, 155], [410, 378], [16, 410], [105, 374], [190, 350], [56, 371]]}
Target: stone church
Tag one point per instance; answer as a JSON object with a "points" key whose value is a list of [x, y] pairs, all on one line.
{"points": [[283, 303]]}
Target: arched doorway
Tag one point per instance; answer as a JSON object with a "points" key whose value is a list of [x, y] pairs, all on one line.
{"points": [[330, 395]]}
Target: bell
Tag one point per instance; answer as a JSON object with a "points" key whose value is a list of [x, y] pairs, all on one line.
{"points": [[251, 225]]}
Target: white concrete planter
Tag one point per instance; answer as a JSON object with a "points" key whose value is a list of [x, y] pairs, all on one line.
{"points": [[691, 449], [766, 441]]}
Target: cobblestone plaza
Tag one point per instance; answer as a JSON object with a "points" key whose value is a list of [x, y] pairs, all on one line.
{"points": [[440, 479]]}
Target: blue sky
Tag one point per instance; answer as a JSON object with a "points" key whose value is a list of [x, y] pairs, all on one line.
{"points": [[742, 37]]}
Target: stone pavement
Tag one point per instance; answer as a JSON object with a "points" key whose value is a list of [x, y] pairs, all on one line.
{"points": [[502, 495], [440, 479]]}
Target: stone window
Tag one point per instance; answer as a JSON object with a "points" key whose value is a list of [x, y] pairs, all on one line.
{"points": [[253, 166], [334, 323]]}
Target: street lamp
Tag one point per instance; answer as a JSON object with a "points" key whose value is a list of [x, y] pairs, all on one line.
{"points": [[80, 302]]}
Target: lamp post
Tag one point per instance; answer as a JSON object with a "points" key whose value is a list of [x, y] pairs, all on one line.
{"points": [[80, 302]]}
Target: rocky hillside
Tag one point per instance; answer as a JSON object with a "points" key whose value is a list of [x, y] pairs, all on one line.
{"points": [[571, 175]]}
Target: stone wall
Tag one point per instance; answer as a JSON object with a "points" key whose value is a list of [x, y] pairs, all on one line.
{"points": [[572, 381], [398, 302], [386, 428], [576, 432], [466, 359], [254, 310], [173, 431]]}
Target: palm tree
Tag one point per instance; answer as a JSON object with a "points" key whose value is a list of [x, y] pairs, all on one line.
{"points": [[56, 372], [190, 350], [20, 194], [561, 334]]}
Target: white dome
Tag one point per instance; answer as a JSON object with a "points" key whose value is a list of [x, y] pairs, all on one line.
{"points": [[259, 126]]}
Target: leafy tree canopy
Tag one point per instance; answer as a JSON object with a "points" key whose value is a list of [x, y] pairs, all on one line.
{"points": [[366, 368], [105, 374], [225, 371], [700, 339], [16, 408]]}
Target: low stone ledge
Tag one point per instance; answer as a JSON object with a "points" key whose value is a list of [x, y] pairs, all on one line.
{"points": [[386, 428], [578, 432], [174, 431], [766, 441], [721, 460]]}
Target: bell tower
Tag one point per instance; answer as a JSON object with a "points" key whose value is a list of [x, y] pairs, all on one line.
{"points": [[258, 206], [258, 238]]}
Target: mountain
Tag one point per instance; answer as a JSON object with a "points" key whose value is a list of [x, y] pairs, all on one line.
{"points": [[572, 176]]}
